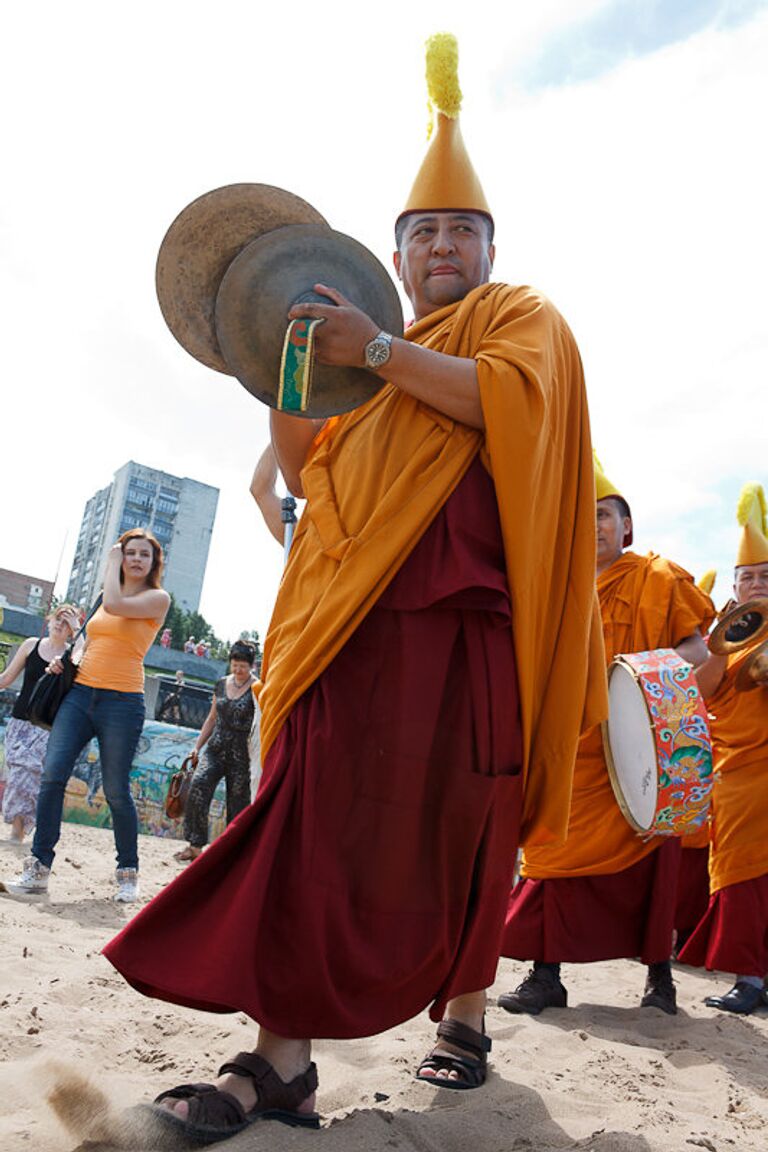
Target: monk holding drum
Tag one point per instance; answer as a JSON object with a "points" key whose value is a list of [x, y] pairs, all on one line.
{"points": [[609, 892]]}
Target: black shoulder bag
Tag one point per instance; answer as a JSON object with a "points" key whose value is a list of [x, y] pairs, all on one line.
{"points": [[52, 687]]}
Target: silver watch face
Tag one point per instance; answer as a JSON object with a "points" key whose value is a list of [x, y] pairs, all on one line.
{"points": [[377, 352]]}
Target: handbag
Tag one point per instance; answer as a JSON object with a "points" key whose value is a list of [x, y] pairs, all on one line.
{"points": [[178, 790], [49, 691]]}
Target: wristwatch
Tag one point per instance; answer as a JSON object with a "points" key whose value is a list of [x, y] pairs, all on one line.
{"points": [[378, 351]]}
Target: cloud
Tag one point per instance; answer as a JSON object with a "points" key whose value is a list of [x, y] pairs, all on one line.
{"points": [[624, 30]]}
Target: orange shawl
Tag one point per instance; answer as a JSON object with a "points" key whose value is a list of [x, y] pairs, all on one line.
{"points": [[739, 849], [646, 602], [376, 478]]}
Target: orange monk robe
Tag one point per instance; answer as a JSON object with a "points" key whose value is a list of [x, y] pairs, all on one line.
{"points": [[646, 602], [376, 478], [697, 839], [739, 848]]}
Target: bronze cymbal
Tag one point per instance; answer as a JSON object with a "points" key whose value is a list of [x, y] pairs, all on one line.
{"points": [[200, 245], [274, 272]]}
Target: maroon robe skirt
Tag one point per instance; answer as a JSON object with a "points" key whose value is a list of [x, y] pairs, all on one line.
{"points": [[580, 919], [692, 891], [733, 934], [369, 878]]}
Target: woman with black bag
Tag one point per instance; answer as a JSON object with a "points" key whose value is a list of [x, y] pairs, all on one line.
{"points": [[25, 744], [105, 701]]}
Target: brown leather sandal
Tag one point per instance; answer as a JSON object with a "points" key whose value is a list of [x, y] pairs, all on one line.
{"points": [[471, 1069], [215, 1115]]}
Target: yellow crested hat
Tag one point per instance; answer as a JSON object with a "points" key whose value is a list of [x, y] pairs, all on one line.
{"points": [[707, 582], [446, 180], [604, 487], [751, 515]]}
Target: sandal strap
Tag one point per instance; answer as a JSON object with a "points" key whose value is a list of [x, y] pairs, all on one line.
{"points": [[273, 1093], [471, 1073], [207, 1105], [464, 1037]]}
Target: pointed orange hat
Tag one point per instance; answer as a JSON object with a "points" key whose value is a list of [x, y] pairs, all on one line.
{"points": [[751, 515], [446, 181], [604, 487]]}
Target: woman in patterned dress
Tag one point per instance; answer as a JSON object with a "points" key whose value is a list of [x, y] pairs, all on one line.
{"points": [[226, 732], [25, 744]]}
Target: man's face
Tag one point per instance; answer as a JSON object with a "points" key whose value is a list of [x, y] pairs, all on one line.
{"points": [[442, 257], [612, 528], [750, 581]]}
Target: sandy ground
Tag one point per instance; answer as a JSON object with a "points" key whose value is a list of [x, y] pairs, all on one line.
{"points": [[601, 1075]]}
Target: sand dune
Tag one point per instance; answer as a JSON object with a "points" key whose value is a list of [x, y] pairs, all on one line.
{"points": [[601, 1075]]}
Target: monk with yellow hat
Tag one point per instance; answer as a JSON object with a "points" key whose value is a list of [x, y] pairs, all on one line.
{"points": [[606, 892], [733, 935], [433, 655]]}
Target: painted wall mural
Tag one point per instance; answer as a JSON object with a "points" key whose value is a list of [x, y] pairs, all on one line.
{"points": [[161, 750]]}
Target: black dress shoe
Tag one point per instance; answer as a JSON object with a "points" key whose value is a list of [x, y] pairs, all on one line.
{"points": [[742, 998], [539, 990]]}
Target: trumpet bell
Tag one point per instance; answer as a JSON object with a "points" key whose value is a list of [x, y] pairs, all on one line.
{"points": [[743, 626]]}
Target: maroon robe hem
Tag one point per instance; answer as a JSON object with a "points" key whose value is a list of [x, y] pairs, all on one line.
{"points": [[733, 934], [582, 919]]}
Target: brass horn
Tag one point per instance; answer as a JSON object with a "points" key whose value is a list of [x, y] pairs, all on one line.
{"points": [[740, 628], [753, 673]]}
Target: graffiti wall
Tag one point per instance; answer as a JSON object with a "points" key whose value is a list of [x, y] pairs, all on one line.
{"points": [[161, 750]]}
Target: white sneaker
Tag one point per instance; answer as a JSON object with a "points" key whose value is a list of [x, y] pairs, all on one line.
{"points": [[127, 880], [33, 880]]}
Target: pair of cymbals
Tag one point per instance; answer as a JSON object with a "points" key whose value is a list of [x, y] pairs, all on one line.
{"points": [[234, 262]]}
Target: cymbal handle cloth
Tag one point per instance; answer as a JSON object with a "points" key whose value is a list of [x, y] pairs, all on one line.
{"points": [[297, 361]]}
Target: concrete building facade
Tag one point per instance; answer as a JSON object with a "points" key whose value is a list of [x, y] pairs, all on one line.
{"points": [[179, 511], [21, 591]]}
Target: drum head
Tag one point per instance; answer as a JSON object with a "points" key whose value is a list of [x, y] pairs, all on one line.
{"points": [[200, 245], [274, 272], [631, 749]]}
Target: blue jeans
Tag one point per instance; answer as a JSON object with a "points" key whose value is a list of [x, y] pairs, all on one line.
{"points": [[116, 720]]}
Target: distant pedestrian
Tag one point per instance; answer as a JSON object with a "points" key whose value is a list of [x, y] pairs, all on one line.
{"points": [[165, 638], [170, 709], [226, 732], [25, 744]]}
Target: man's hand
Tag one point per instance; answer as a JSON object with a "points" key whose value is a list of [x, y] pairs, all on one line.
{"points": [[345, 331]]}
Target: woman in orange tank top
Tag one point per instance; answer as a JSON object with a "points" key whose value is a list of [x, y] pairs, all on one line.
{"points": [[106, 701]]}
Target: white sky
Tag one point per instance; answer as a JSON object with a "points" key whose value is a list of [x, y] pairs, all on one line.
{"points": [[621, 149]]}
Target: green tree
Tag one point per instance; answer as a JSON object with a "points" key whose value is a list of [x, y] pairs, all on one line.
{"points": [[253, 638]]}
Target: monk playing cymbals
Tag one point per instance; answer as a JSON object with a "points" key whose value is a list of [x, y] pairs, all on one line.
{"points": [[433, 655]]}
